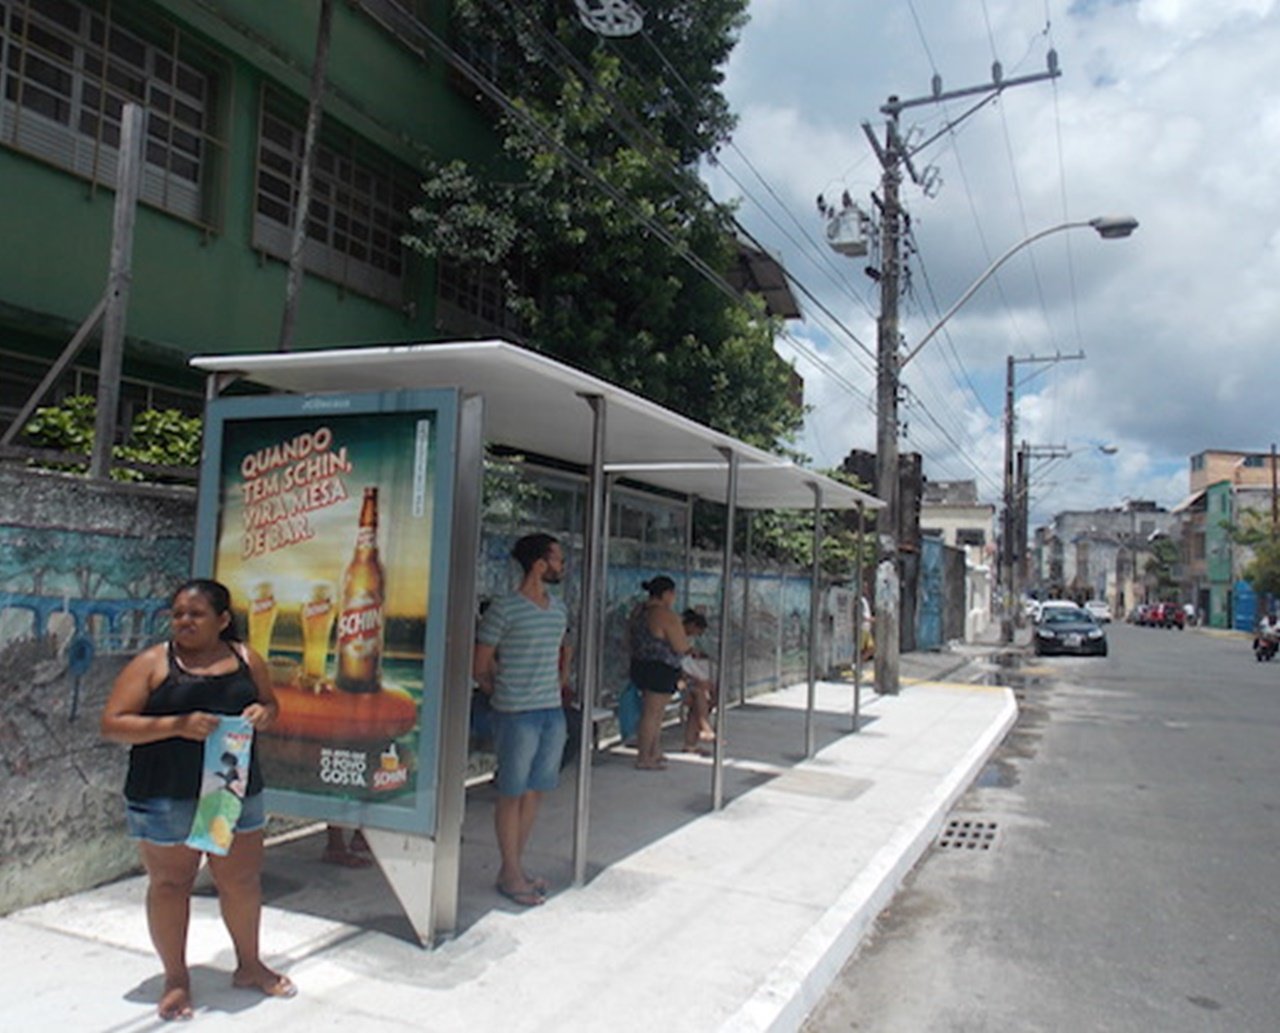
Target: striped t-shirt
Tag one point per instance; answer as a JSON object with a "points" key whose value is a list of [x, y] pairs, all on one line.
{"points": [[528, 641]]}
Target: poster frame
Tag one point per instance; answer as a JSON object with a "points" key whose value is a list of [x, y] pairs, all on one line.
{"points": [[422, 816]]}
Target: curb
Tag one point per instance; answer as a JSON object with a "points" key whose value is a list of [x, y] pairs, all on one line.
{"points": [[798, 982]]}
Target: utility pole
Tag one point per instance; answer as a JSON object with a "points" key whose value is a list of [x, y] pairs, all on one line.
{"points": [[1022, 506], [1009, 536], [894, 155]]}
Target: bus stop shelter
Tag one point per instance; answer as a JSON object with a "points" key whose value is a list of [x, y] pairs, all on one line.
{"points": [[510, 396]]}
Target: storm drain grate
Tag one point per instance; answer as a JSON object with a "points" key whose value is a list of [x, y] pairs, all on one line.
{"points": [[968, 834]]}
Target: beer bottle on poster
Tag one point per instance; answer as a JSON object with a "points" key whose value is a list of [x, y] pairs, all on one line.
{"points": [[363, 596]]}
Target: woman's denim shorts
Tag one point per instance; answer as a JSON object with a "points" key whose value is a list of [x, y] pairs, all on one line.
{"points": [[164, 821]]}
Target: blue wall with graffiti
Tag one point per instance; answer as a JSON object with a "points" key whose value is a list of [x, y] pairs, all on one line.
{"points": [[85, 576]]}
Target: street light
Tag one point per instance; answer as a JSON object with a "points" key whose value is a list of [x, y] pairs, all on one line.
{"points": [[1108, 227]]}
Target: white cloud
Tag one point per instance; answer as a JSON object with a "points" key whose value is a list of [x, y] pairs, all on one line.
{"points": [[1167, 109]]}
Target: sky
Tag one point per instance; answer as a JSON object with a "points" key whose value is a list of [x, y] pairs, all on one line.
{"points": [[1166, 110]]}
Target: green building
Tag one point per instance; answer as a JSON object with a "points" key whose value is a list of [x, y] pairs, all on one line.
{"points": [[1218, 553], [224, 84]]}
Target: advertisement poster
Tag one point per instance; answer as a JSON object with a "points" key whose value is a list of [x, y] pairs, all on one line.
{"points": [[328, 519]]}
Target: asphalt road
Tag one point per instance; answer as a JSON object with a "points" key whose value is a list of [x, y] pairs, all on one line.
{"points": [[1132, 881]]}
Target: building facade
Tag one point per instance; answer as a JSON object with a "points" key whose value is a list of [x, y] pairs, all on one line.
{"points": [[950, 511], [1224, 488], [1101, 554], [224, 89]]}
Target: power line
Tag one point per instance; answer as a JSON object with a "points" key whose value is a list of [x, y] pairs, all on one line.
{"points": [[698, 189]]}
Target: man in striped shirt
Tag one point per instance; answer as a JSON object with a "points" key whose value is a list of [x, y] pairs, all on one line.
{"points": [[520, 663]]}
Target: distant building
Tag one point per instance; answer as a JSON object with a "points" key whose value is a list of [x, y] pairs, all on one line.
{"points": [[1223, 486], [1100, 553], [950, 510]]}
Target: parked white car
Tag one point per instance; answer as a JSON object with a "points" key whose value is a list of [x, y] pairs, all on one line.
{"points": [[1054, 604], [1099, 610]]}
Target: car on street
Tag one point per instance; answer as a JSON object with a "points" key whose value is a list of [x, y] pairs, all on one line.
{"points": [[1098, 610], [1050, 605], [1168, 615], [1064, 630]]}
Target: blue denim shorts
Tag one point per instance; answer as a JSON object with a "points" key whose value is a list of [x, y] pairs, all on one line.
{"points": [[165, 821], [529, 745]]}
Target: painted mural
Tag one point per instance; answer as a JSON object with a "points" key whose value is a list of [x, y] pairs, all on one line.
{"points": [[85, 578]]}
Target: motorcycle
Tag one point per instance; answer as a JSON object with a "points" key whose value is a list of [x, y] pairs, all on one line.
{"points": [[1265, 645]]}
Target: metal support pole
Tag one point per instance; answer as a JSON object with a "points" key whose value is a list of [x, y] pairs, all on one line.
{"points": [[455, 711], [726, 602], [746, 613], [857, 620], [589, 630], [607, 505], [688, 551], [1006, 524], [119, 282], [815, 603]]}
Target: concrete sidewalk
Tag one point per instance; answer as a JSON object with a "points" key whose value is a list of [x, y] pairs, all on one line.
{"points": [[691, 920]]}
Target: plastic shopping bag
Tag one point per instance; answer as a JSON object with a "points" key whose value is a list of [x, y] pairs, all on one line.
{"points": [[222, 786]]}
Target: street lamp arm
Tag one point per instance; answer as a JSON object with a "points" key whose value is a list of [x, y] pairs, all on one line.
{"points": [[1106, 226]]}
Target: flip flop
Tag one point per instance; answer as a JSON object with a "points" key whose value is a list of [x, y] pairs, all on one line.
{"points": [[525, 898]]}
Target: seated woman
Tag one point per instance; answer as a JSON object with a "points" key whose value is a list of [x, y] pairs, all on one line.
{"points": [[658, 645], [699, 689]]}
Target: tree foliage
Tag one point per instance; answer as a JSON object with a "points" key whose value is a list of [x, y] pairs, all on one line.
{"points": [[164, 437], [1258, 533], [786, 535], [1161, 569], [598, 165]]}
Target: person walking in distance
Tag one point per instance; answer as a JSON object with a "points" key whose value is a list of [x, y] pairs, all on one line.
{"points": [[521, 663]]}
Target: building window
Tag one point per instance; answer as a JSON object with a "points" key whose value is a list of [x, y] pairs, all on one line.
{"points": [[1197, 462], [360, 202], [1255, 462], [472, 299], [971, 536], [69, 67]]}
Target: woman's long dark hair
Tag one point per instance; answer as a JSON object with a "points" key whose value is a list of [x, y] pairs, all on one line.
{"points": [[218, 596]]}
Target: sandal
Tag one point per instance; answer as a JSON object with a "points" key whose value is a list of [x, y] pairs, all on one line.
{"points": [[525, 898]]}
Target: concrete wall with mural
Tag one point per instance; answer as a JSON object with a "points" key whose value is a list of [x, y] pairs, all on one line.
{"points": [[85, 575]]}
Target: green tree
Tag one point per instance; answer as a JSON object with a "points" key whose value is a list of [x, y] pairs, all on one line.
{"points": [[786, 535], [594, 214], [164, 437], [1161, 569], [1258, 533]]}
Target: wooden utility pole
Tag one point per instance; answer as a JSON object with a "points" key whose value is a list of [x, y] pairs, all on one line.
{"points": [[119, 282], [894, 156], [888, 476], [1009, 520], [315, 106]]}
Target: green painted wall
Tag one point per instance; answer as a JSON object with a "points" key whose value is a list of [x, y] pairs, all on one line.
{"points": [[1217, 550], [194, 291]]}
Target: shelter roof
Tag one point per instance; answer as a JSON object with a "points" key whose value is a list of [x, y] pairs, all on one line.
{"points": [[534, 403]]}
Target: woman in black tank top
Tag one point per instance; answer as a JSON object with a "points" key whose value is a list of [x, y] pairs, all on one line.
{"points": [[164, 704]]}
